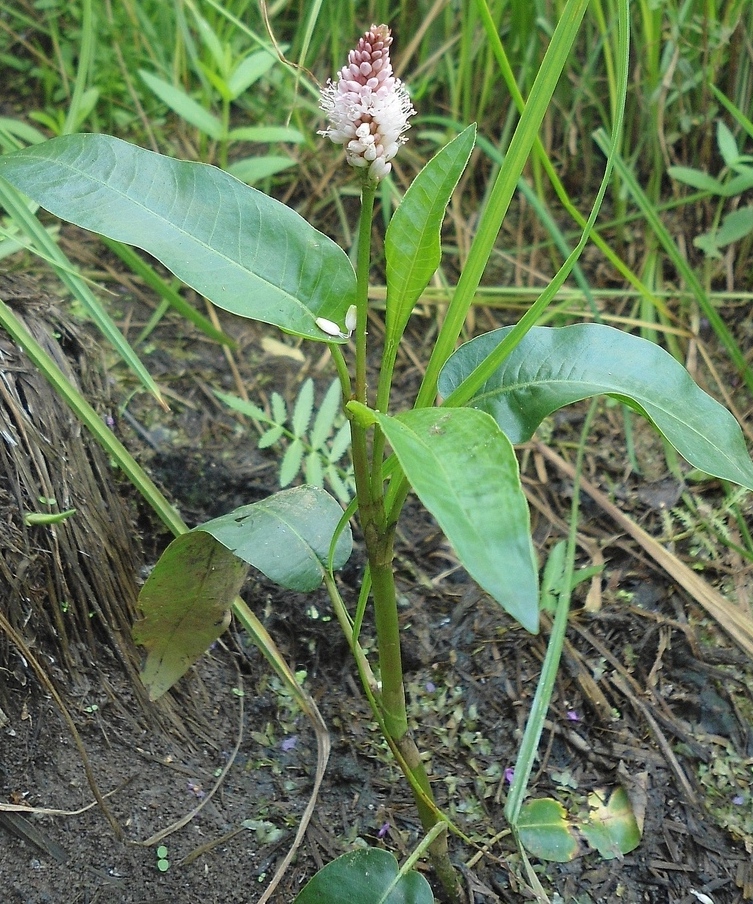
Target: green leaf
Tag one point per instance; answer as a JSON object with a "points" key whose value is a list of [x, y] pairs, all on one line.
{"points": [[304, 407], [270, 437], [611, 827], [285, 536], [544, 829], [253, 169], [325, 416], [217, 81], [244, 407], [146, 271], [186, 607], [369, 876], [553, 367], [697, 179], [735, 226], [727, 144], [340, 489], [340, 443], [244, 251], [464, 470], [249, 70], [212, 42], [186, 107], [266, 134], [279, 408], [291, 462], [743, 181], [16, 128], [313, 470], [412, 242]]}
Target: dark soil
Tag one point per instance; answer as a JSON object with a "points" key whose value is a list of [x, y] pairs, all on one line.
{"points": [[652, 695]]}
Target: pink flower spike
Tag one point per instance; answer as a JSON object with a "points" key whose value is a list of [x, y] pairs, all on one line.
{"points": [[368, 108]]}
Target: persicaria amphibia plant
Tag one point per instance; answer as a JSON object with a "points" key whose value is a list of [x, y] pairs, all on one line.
{"points": [[258, 259]]}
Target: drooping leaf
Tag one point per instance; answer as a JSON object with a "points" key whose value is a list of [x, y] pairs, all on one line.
{"points": [[545, 831], [412, 243], [369, 876], [464, 470], [244, 251], [553, 367], [286, 536], [611, 826], [185, 605]]}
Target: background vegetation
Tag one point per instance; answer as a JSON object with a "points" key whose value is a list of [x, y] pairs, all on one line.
{"points": [[193, 78]]}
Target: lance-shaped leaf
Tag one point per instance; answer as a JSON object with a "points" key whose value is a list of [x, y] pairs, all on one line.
{"points": [[412, 243], [368, 876], [286, 536], [552, 367], [464, 470], [244, 251], [185, 605]]}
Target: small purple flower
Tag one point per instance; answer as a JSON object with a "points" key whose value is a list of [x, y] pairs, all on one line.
{"points": [[383, 830], [430, 687], [289, 743], [573, 716], [368, 108], [509, 775], [738, 800]]}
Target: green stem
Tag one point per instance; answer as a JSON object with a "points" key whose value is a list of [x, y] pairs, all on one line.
{"points": [[371, 501], [363, 264], [378, 538], [360, 450], [342, 369]]}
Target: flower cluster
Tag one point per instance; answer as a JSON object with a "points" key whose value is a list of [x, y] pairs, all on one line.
{"points": [[368, 108]]}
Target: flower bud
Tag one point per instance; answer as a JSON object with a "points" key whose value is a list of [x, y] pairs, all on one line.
{"points": [[368, 108]]}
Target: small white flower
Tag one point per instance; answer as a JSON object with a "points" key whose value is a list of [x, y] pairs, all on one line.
{"points": [[332, 329], [328, 327], [368, 108]]}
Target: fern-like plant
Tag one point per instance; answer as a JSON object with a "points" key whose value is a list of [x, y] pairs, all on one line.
{"points": [[314, 449]]}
